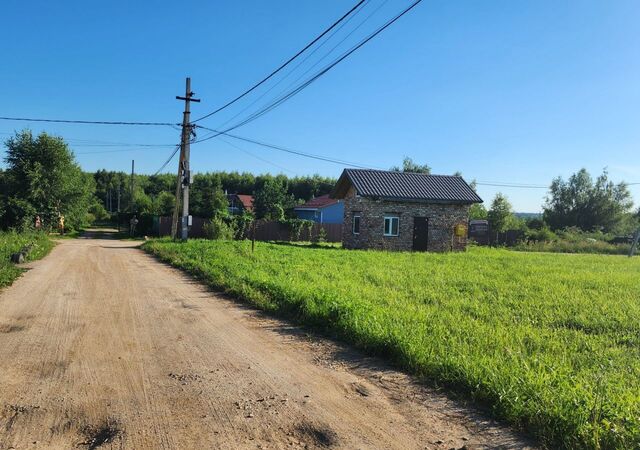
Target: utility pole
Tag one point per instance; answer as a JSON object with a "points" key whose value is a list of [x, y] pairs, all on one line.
{"points": [[184, 171], [131, 202], [176, 206]]}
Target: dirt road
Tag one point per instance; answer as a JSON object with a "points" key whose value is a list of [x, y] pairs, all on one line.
{"points": [[104, 347]]}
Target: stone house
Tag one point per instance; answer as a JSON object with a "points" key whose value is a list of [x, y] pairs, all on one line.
{"points": [[404, 211]]}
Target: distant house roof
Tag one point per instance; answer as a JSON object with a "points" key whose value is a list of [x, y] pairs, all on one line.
{"points": [[404, 186], [318, 202], [245, 200]]}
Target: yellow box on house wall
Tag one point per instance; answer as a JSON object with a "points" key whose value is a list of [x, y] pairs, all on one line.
{"points": [[460, 230]]}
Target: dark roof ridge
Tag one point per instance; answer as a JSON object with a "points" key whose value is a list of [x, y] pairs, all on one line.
{"points": [[400, 171], [396, 185]]}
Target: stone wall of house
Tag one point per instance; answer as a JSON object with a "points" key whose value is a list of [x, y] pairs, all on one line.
{"points": [[442, 221]]}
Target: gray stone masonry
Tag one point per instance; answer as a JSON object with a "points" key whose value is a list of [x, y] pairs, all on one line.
{"points": [[442, 221]]}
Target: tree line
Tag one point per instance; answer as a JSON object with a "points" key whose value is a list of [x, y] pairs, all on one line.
{"points": [[274, 195], [578, 203], [43, 179]]}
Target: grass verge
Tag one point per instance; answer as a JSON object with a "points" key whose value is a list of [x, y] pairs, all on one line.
{"points": [[11, 242], [595, 247], [550, 342]]}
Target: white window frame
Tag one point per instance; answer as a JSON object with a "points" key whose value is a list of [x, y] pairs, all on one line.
{"points": [[353, 223], [391, 219]]}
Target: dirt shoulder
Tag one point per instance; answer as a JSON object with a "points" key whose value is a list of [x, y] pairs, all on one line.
{"points": [[104, 347]]}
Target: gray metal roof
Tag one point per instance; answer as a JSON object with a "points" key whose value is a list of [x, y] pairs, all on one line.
{"points": [[404, 186]]}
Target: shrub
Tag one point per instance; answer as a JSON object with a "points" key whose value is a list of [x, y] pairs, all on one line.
{"points": [[218, 228], [11, 242], [89, 218], [543, 234], [241, 224], [98, 212], [297, 227], [321, 237]]}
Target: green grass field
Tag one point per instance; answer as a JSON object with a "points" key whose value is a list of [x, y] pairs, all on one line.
{"points": [[11, 242], [551, 342]]}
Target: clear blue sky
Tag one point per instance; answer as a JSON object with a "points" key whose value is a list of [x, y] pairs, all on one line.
{"points": [[509, 91]]}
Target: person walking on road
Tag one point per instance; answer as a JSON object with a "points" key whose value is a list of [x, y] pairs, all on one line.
{"points": [[132, 225], [61, 224]]}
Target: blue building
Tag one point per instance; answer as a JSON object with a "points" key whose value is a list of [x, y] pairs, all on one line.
{"points": [[322, 210]]}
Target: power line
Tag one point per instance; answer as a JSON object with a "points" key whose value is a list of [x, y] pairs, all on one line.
{"points": [[256, 156], [124, 150], [169, 159], [255, 86], [513, 185], [289, 95], [318, 47], [288, 150], [94, 122], [118, 144], [314, 64]]}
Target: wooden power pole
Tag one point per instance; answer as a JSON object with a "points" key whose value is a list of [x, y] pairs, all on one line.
{"points": [[176, 206], [184, 171], [131, 201]]}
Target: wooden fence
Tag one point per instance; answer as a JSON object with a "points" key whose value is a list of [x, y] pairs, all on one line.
{"points": [[276, 231], [265, 231], [162, 227]]}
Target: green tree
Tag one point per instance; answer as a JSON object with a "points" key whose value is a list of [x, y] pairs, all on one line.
{"points": [[164, 203], [408, 165], [477, 211], [272, 199], [142, 203], [581, 202], [98, 211], [43, 178], [500, 215], [207, 197]]}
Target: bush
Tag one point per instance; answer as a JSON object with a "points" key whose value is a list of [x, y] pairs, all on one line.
{"points": [[98, 212], [543, 234], [218, 228], [11, 242], [564, 246], [20, 214], [89, 219], [241, 224], [321, 237], [297, 228]]}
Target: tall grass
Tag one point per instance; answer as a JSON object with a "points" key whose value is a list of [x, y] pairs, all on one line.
{"points": [[563, 246], [12, 242], [551, 342]]}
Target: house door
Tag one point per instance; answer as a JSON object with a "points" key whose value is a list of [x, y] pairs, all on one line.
{"points": [[420, 233]]}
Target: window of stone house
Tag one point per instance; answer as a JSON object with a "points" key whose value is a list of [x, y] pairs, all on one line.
{"points": [[391, 225], [355, 224]]}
